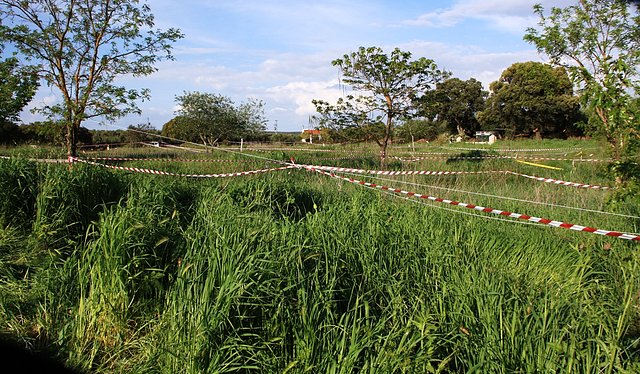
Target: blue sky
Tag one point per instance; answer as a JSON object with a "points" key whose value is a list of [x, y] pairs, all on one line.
{"points": [[281, 51]]}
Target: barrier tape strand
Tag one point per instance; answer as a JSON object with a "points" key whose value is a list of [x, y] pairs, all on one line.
{"points": [[425, 172], [166, 173], [544, 221]]}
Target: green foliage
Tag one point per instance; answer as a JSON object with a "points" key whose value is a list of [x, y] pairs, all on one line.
{"points": [[420, 129], [628, 174], [179, 128], [81, 48], [294, 272], [18, 85], [122, 271], [47, 132], [210, 118], [18, 191], [598, 42], [9, 133], [51, 133], [141, 133], [390, 83], [69, 200], [108, 136], [455, 102], [532, 97]]}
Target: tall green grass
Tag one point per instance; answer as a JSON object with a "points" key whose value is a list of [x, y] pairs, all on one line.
{"points": [[295, 272], [19, 180]]}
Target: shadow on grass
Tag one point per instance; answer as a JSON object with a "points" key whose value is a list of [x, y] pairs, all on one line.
{"points": [[471, 156]]}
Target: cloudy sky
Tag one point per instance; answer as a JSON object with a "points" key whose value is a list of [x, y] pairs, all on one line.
{"points": [[280, 51]]}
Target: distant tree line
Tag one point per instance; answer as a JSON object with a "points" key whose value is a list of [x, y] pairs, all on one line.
{"points": [[530, 99], [590, 86]]}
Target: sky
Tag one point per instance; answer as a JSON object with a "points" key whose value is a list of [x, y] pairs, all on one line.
{"points": [[280, 51]]}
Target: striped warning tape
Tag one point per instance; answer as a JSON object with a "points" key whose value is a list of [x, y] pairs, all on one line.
{"points": [[414, 159], [344, 158], [165, 159], [561, 182], [425, 172], [292, 149], [166, 173], [405, 172], [515, 150], [525, 217]]}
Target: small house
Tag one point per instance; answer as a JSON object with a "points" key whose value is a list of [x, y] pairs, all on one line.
{"points": [[485, 137], [310, 134]]}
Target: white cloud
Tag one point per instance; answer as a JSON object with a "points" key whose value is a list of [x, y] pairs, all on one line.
{"points": [[300, 94], [512, 16], [468, 61]]}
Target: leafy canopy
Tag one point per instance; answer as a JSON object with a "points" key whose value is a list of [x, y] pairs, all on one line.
{"points": [[210, 118], [456, 103], [532, 97], [598, 42], [18, 85], [389, 85], [80, 47]]}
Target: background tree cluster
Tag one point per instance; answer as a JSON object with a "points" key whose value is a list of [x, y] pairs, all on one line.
{"points": [[412, 100], [210, 118], [532, 98], [453, 104]]}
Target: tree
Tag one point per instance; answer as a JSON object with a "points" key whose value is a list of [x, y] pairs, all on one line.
{"points": [[532, 98], [179, 128], [210, 118], [18, 85], [391, 84], [9, 133], [420, 128], [598, 42], [251, 114], [457, 102], [140, 133], [81, 47]]}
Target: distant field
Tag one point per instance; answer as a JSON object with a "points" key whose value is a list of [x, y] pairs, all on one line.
{"points": [[125, 264]]}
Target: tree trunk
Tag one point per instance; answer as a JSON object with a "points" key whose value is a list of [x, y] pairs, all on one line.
{"points": [[72, 140], [383, 154], [538, 133]]}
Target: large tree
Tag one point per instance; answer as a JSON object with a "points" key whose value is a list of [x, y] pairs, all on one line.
{"points": [[390, 85], [81, 47], [209, 118], [456, 102], [531, 98], [598, 42]]}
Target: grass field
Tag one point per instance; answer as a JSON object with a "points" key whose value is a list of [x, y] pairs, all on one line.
{"points": [[293, 271]]}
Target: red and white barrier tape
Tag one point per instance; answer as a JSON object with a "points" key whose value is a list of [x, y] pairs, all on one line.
{"points": [[562, 183], [414, 159], [292, 149], [515, 150], [406, 172], [159, 172], [424, 172], [544, 221], [165, 159]]}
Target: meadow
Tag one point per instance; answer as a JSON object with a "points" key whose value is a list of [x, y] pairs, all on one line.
{"points": [[294, 271]]}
